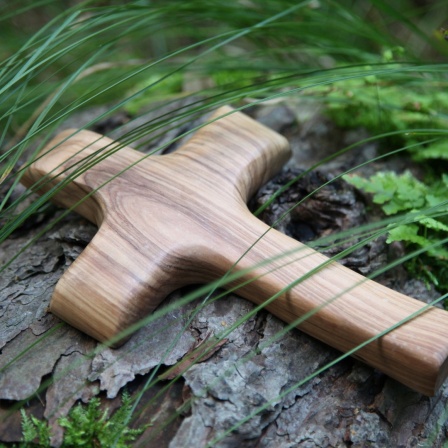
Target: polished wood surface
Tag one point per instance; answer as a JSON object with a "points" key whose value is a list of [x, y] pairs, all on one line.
{"points": [[167, 221]]}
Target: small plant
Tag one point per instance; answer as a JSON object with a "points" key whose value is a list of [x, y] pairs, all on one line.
{"points": [[35, 430], [426, 206], [416, 115], [85, 426], [382, 104]]}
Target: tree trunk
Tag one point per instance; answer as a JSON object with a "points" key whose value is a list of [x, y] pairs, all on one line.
{"points": [[251, 390]]}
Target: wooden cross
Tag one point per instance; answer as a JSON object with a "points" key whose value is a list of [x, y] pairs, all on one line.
{"points": [[178, 219]]}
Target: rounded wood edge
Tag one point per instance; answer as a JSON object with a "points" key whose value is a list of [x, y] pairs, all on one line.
{"points": [[441, 375]]}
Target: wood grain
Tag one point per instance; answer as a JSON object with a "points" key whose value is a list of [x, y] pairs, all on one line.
{"points": [[178, 219]]}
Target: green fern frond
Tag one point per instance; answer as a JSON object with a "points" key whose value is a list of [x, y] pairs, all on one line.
{"points": [[35, 431], [86, 426]]}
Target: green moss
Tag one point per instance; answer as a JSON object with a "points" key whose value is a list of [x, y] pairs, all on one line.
{"points": [[86, 426]]}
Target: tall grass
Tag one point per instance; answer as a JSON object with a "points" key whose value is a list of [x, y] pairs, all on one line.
{"points": [[59, 60]]}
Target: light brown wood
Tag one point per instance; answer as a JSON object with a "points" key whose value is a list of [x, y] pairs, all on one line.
{"points": [[182, 218]]}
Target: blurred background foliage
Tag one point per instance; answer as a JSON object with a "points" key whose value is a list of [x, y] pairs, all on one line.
{"points": [[159, 48]]}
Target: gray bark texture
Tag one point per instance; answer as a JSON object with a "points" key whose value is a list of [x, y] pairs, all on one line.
{"points": [[251, 389]]}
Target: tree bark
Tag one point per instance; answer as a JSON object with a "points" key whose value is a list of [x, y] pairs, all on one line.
{"points": [[251, 390]]}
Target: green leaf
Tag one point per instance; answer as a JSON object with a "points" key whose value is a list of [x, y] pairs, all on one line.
{"points": [[409, 234], [35, 430], [436, 150], [434, 224], [404, 193], [406, 232], [396, 193]]}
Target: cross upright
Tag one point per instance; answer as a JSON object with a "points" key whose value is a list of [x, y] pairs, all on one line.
{"points": [[177, 219]]}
